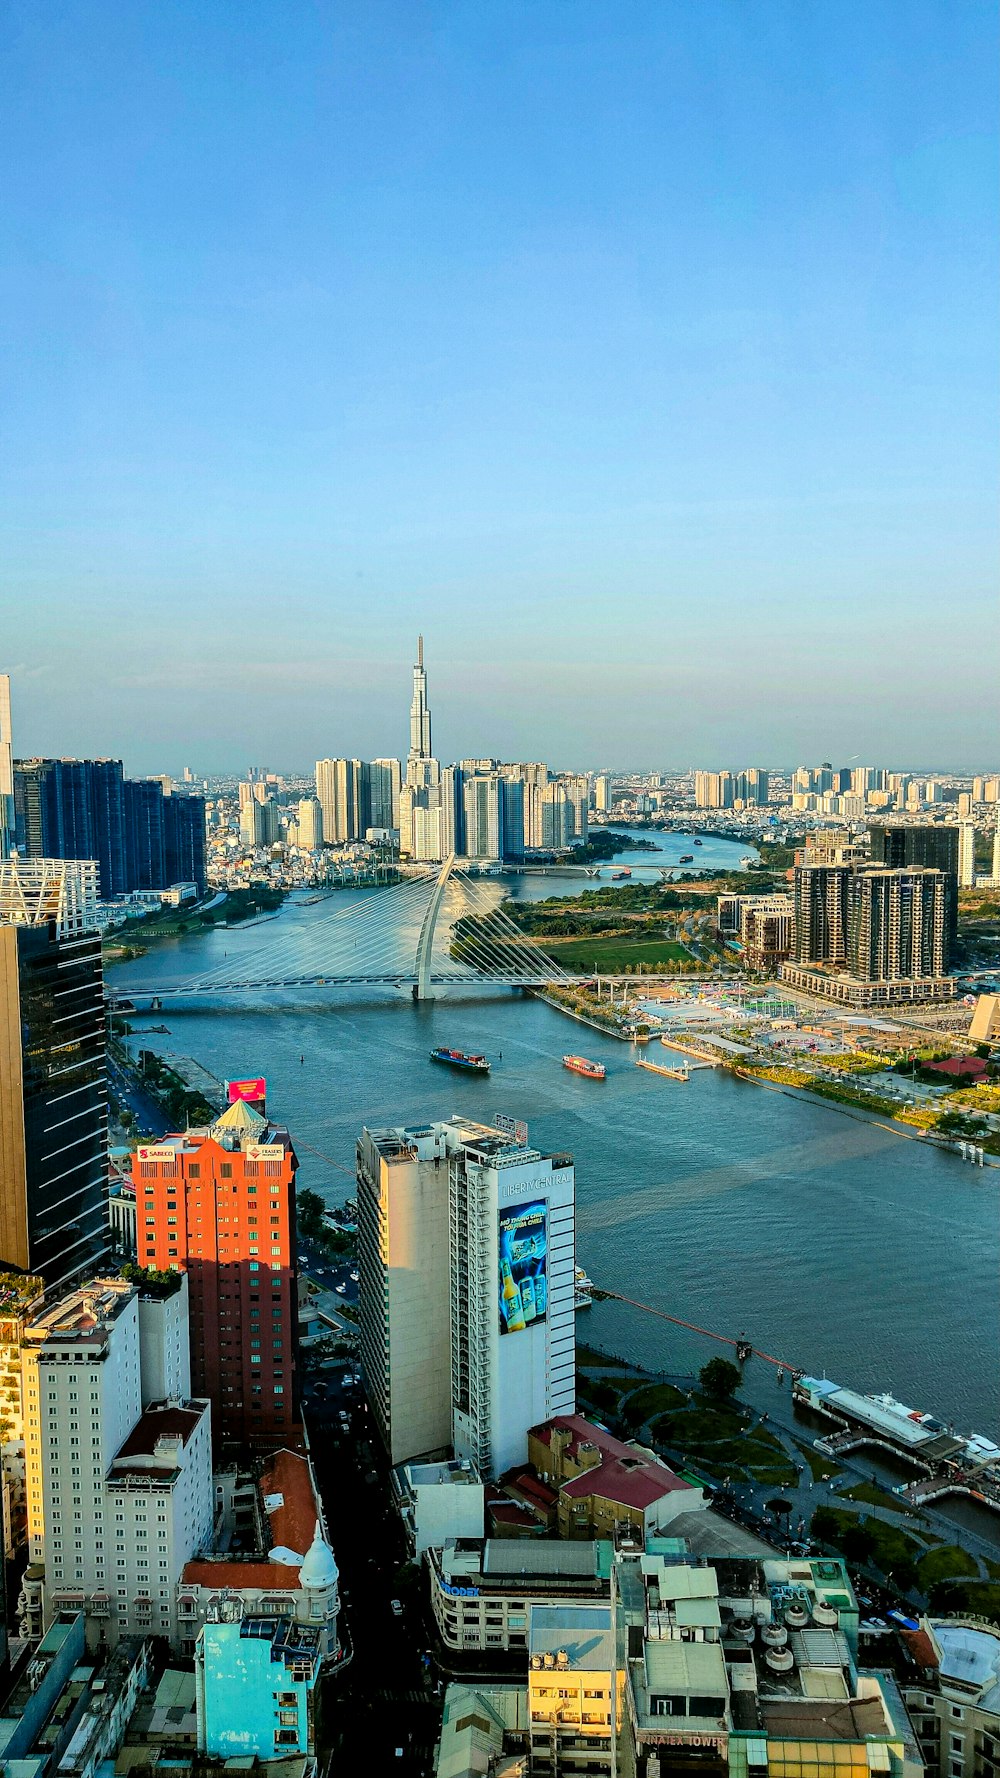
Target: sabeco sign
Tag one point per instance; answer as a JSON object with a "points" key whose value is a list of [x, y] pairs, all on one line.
{"points": [[156, 1154]]}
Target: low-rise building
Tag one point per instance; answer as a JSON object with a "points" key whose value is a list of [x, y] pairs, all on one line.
{"points": [[954, 1698], [482, 1591], [255, 1679], [750, 1667], [439, 1502], [285, 1568], [69, 1710], [574, 1689], [483, 1729], [604, 1485]]}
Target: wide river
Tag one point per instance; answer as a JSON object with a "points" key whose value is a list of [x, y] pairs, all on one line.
{"points": [[834, 1243]]}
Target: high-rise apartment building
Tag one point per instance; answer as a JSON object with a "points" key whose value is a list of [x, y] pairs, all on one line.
{"points": [[466, 1242], [53, 1101], [420, 715], [6, 770], [896, 924], [966, 856], [996, 854], [119, 1481], [452, 812], [821, 905], [934, 846], [602, 792], [484, 802], [220, 1205], [558, 818], [384, 784], [309, 824]]}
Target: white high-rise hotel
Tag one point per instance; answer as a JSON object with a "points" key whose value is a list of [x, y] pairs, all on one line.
{"points": [[467, 1255]]}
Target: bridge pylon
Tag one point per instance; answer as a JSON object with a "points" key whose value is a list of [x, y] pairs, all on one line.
{"points": [[425, 943]]}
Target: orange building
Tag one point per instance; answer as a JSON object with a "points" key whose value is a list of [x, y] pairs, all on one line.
{"points": [[219, 1204]]}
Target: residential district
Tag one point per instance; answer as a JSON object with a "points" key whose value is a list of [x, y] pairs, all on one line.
{"points": [[295, 1490]]}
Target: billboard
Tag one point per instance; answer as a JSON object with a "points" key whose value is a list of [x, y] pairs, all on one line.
{"points": [[522, 1253], [253, 1091]]}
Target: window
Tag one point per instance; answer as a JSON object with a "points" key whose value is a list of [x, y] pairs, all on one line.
{"points": [[226, 1170], [194, 1171], [956, 1744]]}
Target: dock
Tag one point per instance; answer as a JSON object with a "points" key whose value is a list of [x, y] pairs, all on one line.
{"points": [[656, 1068]]}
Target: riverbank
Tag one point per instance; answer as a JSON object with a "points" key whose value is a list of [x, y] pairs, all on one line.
{"points": [[223, 912], [861, 1109]]}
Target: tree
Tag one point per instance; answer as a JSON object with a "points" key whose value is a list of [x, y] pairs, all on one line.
{"points": [[825, 1526], [310, 1214], [857, 1544], [778, 1507], [719, 1379]]}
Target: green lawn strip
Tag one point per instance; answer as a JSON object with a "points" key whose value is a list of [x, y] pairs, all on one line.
{"points": [[650, 1399], [602, 955], [943, 1564], [819, 1465], [890, 1544], [872, 1495]]}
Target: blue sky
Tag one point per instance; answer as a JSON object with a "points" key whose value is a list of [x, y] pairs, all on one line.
{"points": [[642, 355]]}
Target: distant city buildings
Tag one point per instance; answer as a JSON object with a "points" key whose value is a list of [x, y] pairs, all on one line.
{"points": [[466, 1245]]}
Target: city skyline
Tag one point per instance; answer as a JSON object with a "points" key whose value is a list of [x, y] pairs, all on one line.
{"points": [[657, 383]]}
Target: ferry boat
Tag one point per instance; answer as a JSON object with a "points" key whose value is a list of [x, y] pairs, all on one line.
{"points": [[746, 858], [687, 858], [618, 875], [459, 1059], [580, 1065]]}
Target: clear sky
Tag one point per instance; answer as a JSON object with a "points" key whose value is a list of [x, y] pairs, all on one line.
{"points": [[641, 352]]}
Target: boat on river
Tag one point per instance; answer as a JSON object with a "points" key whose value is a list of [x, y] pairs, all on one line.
{"points": [[459, 1059], [687, 858], [580, 1065]]}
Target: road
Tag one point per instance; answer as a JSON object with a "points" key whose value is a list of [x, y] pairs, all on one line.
{"points": [[150, 1117], [381, 1713]]}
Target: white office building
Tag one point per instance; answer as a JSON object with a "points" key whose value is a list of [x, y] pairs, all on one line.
{"points": [[467, 1242], [119, 1486]]}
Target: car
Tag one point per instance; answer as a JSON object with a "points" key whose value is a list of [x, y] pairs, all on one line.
{"points": [[395, 1607], [341, 1289], [355, 1277]]}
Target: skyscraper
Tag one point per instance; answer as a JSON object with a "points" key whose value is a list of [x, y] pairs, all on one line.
{"points": [[384, 781], [342, 787], [420, 716], [6, 771], [896, 924], [87, 808], [53, 1102], [821, 895], [932, 844], [967, 856], [220, 1205], [466, 1243]]}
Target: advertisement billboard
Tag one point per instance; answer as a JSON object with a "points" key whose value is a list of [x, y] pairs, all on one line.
{"points": [[253, 1091], [522, 1250]]}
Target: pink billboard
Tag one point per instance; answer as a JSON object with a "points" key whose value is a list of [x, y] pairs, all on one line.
{"points": [[253, 1091]]}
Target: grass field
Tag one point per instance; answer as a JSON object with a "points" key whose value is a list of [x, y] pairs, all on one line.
{"points": [[610, 954], [944, 1564]]}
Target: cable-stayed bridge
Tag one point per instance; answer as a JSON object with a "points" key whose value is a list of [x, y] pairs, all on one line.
{"points": [[444, 928]]}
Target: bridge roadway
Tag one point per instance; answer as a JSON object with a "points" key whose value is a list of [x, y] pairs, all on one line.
{"points": [[390, 979]]}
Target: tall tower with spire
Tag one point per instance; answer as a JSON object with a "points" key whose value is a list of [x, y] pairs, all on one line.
{"points": [[420, 716]]}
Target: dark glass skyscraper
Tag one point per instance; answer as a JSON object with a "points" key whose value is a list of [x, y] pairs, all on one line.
{"points": [[87, 808], [53, 1103], [932, 845]]}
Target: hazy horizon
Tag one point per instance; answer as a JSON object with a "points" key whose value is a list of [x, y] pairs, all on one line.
{"points": [[645, 360]]}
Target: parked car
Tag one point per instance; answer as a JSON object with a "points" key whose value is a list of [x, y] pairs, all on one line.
{"points": [[395, 1607]]}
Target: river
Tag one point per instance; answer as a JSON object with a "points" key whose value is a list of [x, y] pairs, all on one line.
{"points": [[835, 1244]]}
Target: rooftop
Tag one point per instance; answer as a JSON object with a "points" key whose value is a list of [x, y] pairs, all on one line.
{"points": [[83, 1316], [161, 1420], [584, 1633], [289, 1501], [971, 1657], [625, 1473]]}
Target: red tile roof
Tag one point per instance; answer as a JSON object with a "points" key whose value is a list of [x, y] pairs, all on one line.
{"points": [[293, 1524], [921, 1647], [222, 1575], [623, 1473], [958, 1065], [159, 1422], [525, 1481]]}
